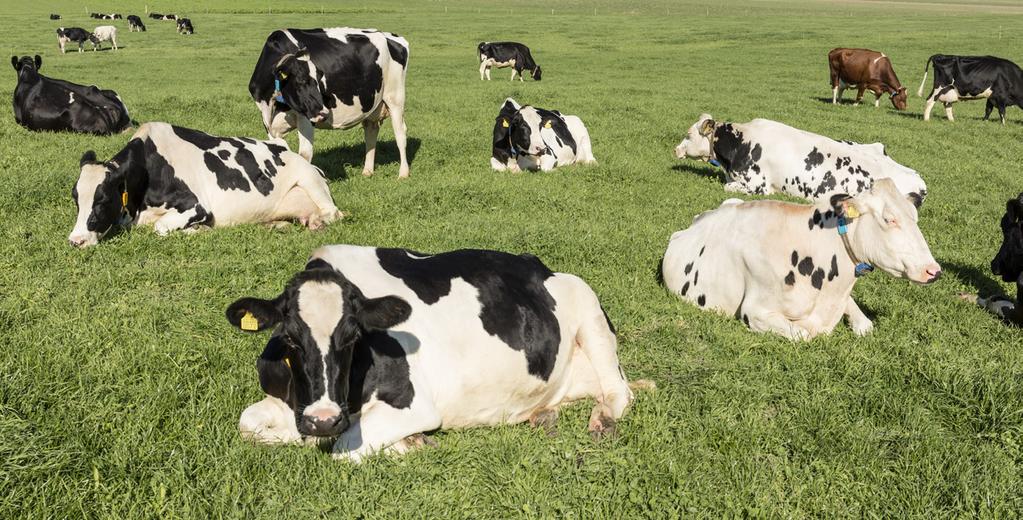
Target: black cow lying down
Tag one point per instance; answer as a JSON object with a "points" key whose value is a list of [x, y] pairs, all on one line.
{"points": [[1008, 264], [42, 103]]}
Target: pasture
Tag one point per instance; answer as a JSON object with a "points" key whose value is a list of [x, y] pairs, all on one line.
{"points": [[121, 382]]}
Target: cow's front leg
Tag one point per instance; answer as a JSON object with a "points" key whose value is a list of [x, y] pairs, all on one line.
{"points": [[269, 421], [483, 69], [877, 99], [858, 322], [948, 111], [173, 220], [762, 320], [381, 426], [305, 137], [371, 129], [835, 95]]}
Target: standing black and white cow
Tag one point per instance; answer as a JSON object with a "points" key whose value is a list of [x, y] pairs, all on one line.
{"points": [[135, 24], [374, 345], [962, 78], [74, 34], [531, 138], [506, 54], [175, 178], [185, 26], [42, 103], [333, 78], [763, 157], [790, 268]]}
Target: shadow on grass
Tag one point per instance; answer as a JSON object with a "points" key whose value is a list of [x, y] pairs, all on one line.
{"points": [[985, 285], [333, 160], [701, 169]]}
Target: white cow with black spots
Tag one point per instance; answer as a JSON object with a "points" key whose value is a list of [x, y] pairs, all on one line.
{"points": [[762, 157], [790, 268]]}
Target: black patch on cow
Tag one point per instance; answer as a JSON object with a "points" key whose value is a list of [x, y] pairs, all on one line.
{"points": [[816, 220], [696, 278], [702, 300], [737, 157], [229, 178], [745, 319], [224, 154], [379, 366], [685, 289], [689, 267], [515, 305], [827, 184], [806, 266], [607, 318], [795, 258], [701, 250], [817, 279], [790, 279], [813, 159], [833, 272], [397, 51]]}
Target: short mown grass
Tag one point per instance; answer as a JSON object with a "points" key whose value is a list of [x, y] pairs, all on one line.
{"points": [[121, 382]]}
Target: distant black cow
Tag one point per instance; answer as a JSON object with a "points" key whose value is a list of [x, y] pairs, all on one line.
{"points": [[42, 103], [54, 17], [135, 24], [185, 26], [74, 34], [506, 54], [156, 16], [96, 16], [962, 78]]}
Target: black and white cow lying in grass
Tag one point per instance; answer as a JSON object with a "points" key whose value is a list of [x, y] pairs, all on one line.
{"points": [[374, 345], [42, 103], [531, 138], [790, 268], [76, 35], [762, 157], [332, 78], [174, 178]]}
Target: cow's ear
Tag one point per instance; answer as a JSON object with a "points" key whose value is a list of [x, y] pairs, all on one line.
{"points": [[14, 63], [254, 314], [87, 157], [382, 313], [1014, 208], [39, 61], [845, 206], [707, 127], [274, 368]]}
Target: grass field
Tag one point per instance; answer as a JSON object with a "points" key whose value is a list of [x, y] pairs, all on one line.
{"points": [[121, 382]]}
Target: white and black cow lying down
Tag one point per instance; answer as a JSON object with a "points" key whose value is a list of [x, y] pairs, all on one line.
{"points": [[762, 157], [74, 34], [374, 345], [531, 138], [42, 103], [506, 54], [176, 178], [963, 78], [333, 78], [790, 268]]}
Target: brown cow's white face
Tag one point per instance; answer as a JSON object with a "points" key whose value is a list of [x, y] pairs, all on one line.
{"points": [[886, 233], [696, 144]]}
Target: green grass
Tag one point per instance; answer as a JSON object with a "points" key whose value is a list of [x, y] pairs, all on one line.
{"points": [[121, 382]]}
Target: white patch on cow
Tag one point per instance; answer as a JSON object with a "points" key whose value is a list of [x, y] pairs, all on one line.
{"points": [[321, 307], [92, 175], [71, 98]]}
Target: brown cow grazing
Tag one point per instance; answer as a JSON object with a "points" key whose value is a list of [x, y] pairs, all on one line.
{"points": [[865, 69]]}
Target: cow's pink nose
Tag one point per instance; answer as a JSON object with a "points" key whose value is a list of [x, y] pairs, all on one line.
{"points": [[76, 241], [933, 273]]}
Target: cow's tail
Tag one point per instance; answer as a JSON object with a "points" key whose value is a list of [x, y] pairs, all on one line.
{"points": [[920, 91]]}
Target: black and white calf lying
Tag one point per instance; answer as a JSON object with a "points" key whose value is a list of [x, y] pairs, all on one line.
{"points": [[789, 268], [531, 138], [185, 26], [42, 103], [135, 24], [374, 345], [962, 78], [74, 34], [507, 54], [1008, 264], [332, 78], [175, 178], [763, 157]]}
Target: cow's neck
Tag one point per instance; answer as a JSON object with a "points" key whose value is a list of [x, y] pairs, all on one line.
{"points": [[848, 252], [722, 149], [28, 75], [889, 81], [131, 167]]}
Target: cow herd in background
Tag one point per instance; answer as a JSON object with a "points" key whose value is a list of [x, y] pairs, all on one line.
{"points": [[373, 346]]}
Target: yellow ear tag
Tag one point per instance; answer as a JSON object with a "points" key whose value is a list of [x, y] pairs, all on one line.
{"points": [[851, 212], [287, 362], [124, 198], [284, 75], [548, 125], [249, 322], [504, 123]]}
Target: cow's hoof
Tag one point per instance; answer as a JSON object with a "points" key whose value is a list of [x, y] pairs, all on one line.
{"points": [[367, 173], [420, 440], [403, 173], [546, 419], [603, 427], [862, 328]]}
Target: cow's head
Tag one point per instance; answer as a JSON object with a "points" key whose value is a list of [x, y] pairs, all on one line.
{"points": [[884, 232], [26, 63], [317, 321], [1008, 263], [300, 85], [697, 142], [899, 98], [502, 124], [536, 73], [525, 128], [98, 195]]}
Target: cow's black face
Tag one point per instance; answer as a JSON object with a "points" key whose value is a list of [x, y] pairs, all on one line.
{"points": [[98, 196], [1008, 263], [319, 318], [536, 73], [300, 86]]}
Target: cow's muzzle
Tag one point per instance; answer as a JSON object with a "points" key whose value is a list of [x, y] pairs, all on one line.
{"points": [[315, 426]]}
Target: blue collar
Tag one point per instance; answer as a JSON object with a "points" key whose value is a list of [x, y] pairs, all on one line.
{"points": [[862, 268], [277, 91]]}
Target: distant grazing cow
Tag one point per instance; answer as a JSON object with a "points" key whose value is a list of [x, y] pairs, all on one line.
{"points": [[332, 78], [530, 138], [373, 345], [865, 69], [42, 103], [175, 178], [135, 24], [763, 157], [185, 26], [1008, 264], [54, 17], [790, 268], [169, 17], [156, 16], [104, 33], [96, 16], [116, 16], [74, 34], [506, 54], [962, 78]]}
